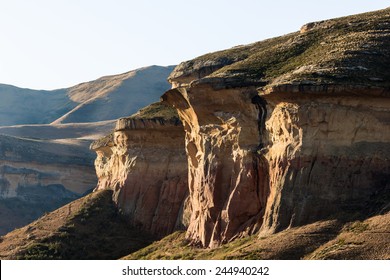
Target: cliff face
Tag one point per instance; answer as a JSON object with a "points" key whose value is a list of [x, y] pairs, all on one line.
{"points": [[226, 175], [279, 160], [288, 131], [328, 156], [280, 133], [144, 163]]}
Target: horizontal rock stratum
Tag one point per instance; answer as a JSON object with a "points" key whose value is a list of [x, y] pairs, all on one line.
{"points": [[144, 162]]}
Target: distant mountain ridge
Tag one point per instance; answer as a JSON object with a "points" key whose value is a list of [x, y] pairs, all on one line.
{"points": [[93, 101], [44, 138]]}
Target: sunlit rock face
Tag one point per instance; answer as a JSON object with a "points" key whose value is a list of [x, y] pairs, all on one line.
{"points": [[226, 175], [278, 133], [144, 163], [287, 131], [268, 161], [327, 155]]}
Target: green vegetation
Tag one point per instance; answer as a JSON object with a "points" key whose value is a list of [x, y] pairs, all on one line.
{"points": [[105, 141], [358, 227], [352, 50], [157, 110]]}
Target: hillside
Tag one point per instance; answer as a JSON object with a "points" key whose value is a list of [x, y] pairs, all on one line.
{"points": [[88, 228], [26, 106], [367, 239], [45, 161], [93, 101], [349, 51], [103, 99], [38, 176]]}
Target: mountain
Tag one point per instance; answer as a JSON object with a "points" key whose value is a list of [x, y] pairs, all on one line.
{"points": [[26, 106], [288, 131], [92, 101], [104, 98], [277, 150], [45, 161]]}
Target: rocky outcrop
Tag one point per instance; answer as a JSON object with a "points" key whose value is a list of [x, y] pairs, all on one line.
{"points": [[283, 159], [327, 155], [290, 132], [143, 161], [226, 175]]}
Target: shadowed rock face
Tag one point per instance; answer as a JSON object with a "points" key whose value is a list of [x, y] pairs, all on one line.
{"points": [[40, 176], [144, 163], [307, 145], [327, 155]]}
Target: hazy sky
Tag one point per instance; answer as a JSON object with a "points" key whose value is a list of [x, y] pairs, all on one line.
{"points": [[47, 44]]}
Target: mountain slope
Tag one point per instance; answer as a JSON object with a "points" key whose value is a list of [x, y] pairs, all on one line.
{"points": [[92, 101], [43, 165], [352, 50], [38, 176], [103, 99], [367, 239], [25, 106], [88, 228]]}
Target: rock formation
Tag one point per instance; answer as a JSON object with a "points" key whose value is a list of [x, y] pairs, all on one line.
{"points": [[143, 161], [286, 138], [287, 131]]}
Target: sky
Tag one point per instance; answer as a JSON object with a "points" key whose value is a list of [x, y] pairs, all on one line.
{"points": [[51, 44]]}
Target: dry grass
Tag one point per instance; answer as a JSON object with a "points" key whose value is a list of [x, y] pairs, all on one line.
{"points": [[353, 50], [88, 228], [369, 239]]}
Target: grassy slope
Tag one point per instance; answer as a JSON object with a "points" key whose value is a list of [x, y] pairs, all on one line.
{"points": [[154, 111], [349, 50], [367, 239], [88, 228]]}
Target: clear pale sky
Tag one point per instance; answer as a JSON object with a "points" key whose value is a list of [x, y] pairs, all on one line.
{"points": [[48, 44]]}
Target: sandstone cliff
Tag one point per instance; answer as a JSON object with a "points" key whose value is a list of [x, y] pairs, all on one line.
{"points": [[287, 131], [143, 161], [283, 142]]}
